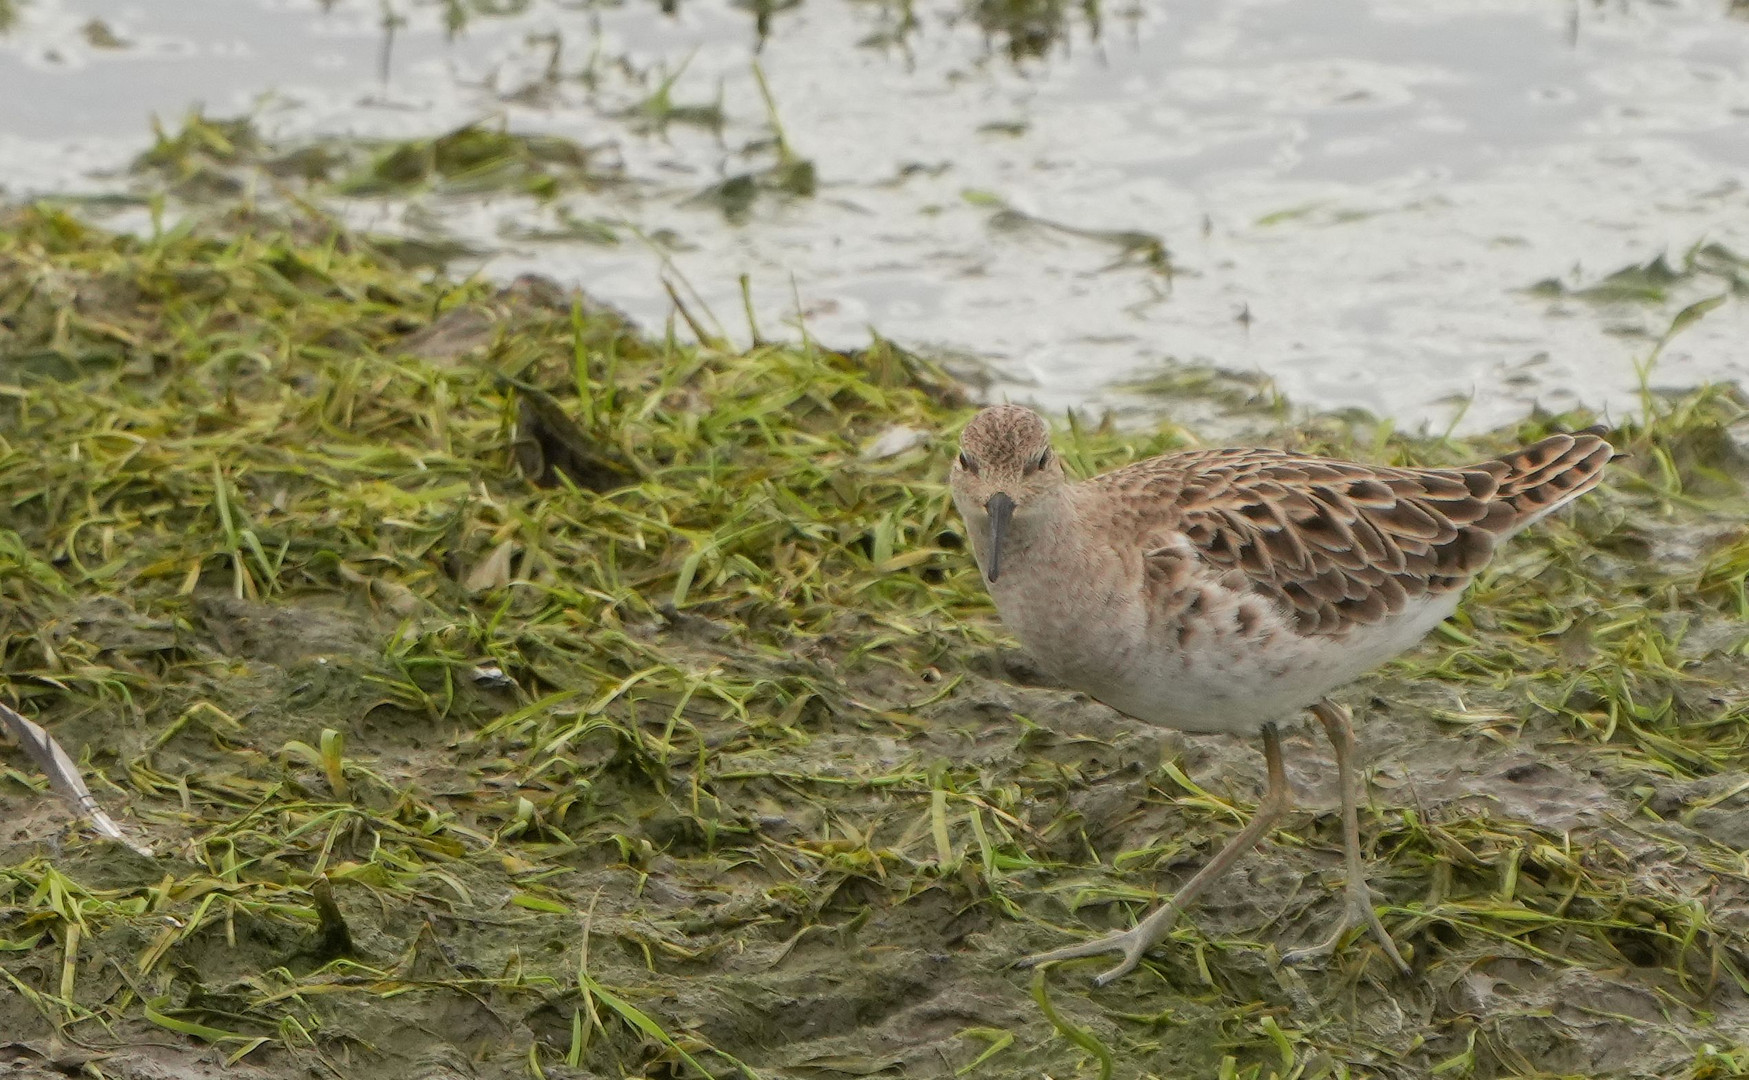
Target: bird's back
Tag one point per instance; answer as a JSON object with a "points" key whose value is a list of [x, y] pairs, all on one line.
{"points": [[1248, 583], [1341, 543]]}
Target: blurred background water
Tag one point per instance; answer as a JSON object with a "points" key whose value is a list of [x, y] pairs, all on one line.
{"points": [[1440, 211]]}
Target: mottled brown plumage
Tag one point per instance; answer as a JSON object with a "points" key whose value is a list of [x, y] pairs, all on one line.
{"points": [[1341, 544], [1224, 590]]}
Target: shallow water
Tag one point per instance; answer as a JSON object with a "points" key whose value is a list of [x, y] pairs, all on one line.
{"points": [[1355, 195]]}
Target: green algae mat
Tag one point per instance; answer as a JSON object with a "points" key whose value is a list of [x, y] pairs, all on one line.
{"points": [[506, 691]]}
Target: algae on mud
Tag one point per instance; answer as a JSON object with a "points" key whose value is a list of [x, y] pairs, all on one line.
{"points": [[725, 770]]}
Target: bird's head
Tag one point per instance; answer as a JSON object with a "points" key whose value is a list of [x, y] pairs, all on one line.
{"points": [[1005, 467]]}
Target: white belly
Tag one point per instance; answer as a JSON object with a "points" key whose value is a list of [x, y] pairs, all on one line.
{"points": [[1216, 681]]}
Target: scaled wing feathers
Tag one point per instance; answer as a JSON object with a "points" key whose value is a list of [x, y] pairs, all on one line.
{"points": [[1341, 544]]}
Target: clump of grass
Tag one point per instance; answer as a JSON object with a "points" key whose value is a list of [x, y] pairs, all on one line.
{"points": [[1707, 262], [473, 159], [1030, 29], [703, 756], [209, 158]]}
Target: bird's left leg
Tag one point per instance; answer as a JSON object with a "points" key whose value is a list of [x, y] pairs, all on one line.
{"points": [[1137, 940], [1357, 909]]}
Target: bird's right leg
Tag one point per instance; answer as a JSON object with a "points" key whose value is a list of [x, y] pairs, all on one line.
{"points": [[1137, 940], [1357, 901]]}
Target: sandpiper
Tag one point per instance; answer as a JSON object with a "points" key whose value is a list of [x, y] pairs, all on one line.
{"points": [[1225, 590]]}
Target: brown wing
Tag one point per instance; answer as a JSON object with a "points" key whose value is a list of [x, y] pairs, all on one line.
{"points": [[1341, 544]]}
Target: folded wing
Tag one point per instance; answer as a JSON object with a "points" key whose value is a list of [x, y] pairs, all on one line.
{"points": [[1342, 544]]}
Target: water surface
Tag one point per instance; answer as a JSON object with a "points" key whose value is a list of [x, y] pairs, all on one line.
{"points": [[1353, 197]]}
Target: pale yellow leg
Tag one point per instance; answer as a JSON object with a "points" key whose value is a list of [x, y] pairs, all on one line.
{"points": [[1137, 940], [1357, 909]]}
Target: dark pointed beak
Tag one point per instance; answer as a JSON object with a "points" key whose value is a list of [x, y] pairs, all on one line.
{"points": [[1000, 508]]}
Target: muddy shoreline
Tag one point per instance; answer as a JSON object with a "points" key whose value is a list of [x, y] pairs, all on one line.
{"points": [[726, 767]]}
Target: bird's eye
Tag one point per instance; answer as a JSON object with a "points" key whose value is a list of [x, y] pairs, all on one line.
{"points": [[967, 463], [1039, 461]]}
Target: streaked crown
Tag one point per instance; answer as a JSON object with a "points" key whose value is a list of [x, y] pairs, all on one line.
{"points": [[1005, 439]]}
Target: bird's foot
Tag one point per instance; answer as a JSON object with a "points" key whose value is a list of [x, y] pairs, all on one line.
{"points": [[1132, 944], [1357, 911]]}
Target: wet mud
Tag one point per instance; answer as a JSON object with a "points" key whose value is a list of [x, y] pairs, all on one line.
{"points": [[729, 770]]}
